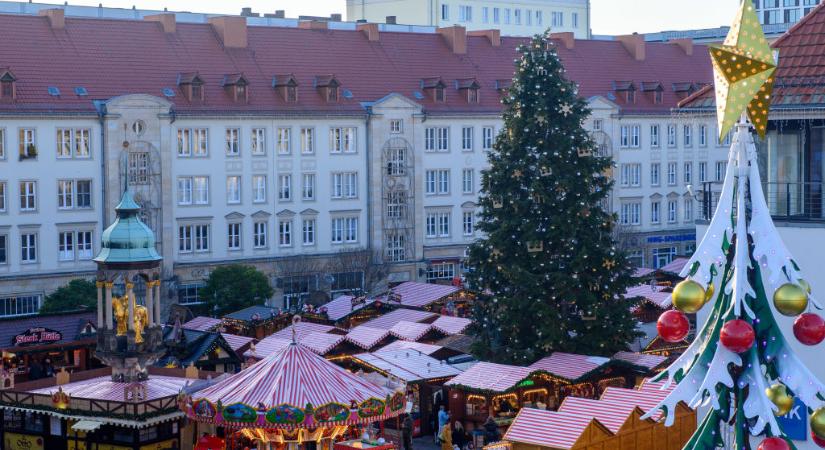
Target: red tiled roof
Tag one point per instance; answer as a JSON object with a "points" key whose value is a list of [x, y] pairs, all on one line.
{"points": [[116, 57]]}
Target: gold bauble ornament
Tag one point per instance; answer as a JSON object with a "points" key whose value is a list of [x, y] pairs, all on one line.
{"points": [[688, 296], [818, 423], [778, 395], [804, 285], [709, 293], [790, 300]]}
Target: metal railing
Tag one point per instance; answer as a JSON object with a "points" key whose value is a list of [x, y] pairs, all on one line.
{"points": [[787, 201]]}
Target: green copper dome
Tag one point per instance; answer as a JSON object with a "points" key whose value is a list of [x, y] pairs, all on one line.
{"points": [[128, 239]]}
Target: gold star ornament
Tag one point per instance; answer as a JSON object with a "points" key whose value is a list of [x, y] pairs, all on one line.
{"points": [[743, 68]]}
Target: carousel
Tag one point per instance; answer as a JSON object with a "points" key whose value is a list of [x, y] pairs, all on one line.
{"points": [[296, 400]]}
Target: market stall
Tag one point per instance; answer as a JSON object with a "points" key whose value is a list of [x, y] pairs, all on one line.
{"points": [[294, 399], [439, 298]]}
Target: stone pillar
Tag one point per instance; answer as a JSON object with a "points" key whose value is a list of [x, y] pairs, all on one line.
{"points": [[109, 313], [100, 285], [157, 303], [130, 300], [150, 302]]}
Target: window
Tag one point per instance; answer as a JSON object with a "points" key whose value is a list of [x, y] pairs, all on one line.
{"points": [[258, 188], [468, 222], [233, 190], [2, 143], [507, 16], [396, 165], [465, 13], [688, 212], [28, 247], [85, 246], [437, 181], [654, 136], [259, 234], [630, 136], [631, 175], [575, 20], [201, 144], [396, 204], [703, 135], [283, 141], [496, 15], [138, 163], [671, 135], [285, 187], [28, 148], [65, 194], [557, 18], [307, 141], [7, 89], [233, 142], [64, 143], [654, 174], [233, 236], [440, 271], [671, 174], [439, 94], [344, 185], [20, 305], [184, 142], [672, 208], [703, 172], [598, 124], [688, 176], [344, 229], [65, 246], [528, 17], [308, 231], [654, 212], [631, 213], [517, 16], [184, 239], [663, 256], [467, 139], [342, 140], [258, 141], [193, 142], [184, 190], [487, 138], [436, 139], [687, 129], [3, 196], [721, 168], [467, 181], [28, 195], [201, 236], [438, 224], [201, 190], [396, 126], [285, 233], [308, 186], [396, 248], [445, 12], [485, 15], [4, 248]]}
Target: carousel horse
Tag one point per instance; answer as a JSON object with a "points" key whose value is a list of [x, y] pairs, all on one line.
{"points": [[121, 313]]}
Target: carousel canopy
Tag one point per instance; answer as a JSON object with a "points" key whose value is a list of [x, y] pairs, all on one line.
{"points": [[294, 388]]}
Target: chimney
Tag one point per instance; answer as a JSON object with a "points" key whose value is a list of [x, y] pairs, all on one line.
{"points": [[246, 12], [369, 29], [494, 36], [456, 37], [57, 20], [335, 17], [685, 44], [568, 39], [280, 13], [391, 20], [166, 21], [231, 29], [634, 44], [313, 25]]}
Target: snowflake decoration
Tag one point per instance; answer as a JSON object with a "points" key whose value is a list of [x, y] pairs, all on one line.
{"points": [[566, 109]]}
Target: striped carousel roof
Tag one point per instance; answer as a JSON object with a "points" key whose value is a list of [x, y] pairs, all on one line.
{"points": [[367, 337], [427, 349], [649, 362], [558, 430], [451, 325], [410, 331], [569, 366], [294, 376], [267, 346], [321, 343], [486, 376], [417, 295]]}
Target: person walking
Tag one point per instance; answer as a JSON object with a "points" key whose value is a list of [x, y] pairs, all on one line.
{"points": [[407, 431], [443, 419], [446, 437], [459, 435], [491, 433]]}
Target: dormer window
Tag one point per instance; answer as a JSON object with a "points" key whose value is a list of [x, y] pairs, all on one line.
{"points": [[191, 85], [468, 87], [626, 90], [7, 85], [328, 87], [436, 88], [287, 87], [684, 90], [236, 86], [655, 90]]}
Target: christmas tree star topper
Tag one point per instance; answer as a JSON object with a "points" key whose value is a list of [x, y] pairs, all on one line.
{"points": [[743, 69]]}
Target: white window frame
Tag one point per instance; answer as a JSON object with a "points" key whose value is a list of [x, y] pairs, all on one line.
{"points": [[65, 246], [468, 181], [631, 213], [283, 140], [687, 138], [84, 242], [654, 136], [655, 174], [233, 236], [233, 142], [233, 190], [307, 141], [468, 223], [687, 174], [259, 234], [4, 188], [655, 212], [185, 191], [258, 188], [487, 138], [342, 140], [672, 173], [703, 171], [258, 141], [285, 187], [344, 185], [28, 247], [467, 138], [308, 227], [200, 190], [285, 233], [65, 194], [672, 136], [28, 195], [672, 211]]}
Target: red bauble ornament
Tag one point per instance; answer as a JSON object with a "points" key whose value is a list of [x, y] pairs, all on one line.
{"points": [[673, 326], [774, 443], [737, 335], [809, 329], [817, 440]]}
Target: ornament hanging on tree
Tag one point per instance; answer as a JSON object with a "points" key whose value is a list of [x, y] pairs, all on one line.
{"points": [[737, 335], [688, 296], [809, 329], [818, 423], [778, 395], [673, 326], [817, 440], [774, 443], [790, 300]]}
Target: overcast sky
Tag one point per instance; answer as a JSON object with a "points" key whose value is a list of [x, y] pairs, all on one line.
{"points": [[609, 16]]}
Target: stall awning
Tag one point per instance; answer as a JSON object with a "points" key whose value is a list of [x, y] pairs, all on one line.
{"points": [[86, 425]]}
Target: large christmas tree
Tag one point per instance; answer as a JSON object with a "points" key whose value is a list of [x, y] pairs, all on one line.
{"points": [[551, 275], [740, 363]]}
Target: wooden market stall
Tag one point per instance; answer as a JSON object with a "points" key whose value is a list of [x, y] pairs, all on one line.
{"points": [[206, 350], [439, 298], [257, 321], [347, 311]]}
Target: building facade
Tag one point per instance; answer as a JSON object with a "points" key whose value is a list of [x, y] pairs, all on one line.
{"points": [[522, 18], [783, 12]]}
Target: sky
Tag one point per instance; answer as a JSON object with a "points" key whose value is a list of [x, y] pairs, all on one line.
{"points": [[609, 16]]}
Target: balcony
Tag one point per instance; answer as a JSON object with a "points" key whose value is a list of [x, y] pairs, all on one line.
{"points": [[788, 202]]}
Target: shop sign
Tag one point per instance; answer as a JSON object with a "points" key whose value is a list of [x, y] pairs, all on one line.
{"points": [[37, 336], [671, 238], [15, 441]]}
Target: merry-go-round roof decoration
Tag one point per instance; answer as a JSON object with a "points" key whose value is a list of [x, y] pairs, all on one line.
{"points": [[293, 388]]}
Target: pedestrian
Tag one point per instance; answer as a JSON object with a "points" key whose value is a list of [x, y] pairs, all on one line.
{"points": [[459, 435], [443, 419], [407, 431], [491, 433], [48, 368], [446, 437]]}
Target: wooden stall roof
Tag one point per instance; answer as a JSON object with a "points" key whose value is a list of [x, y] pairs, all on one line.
{"points": [[490, 377], [569, 366], [408, 365], [427, 349], [451, 325], [202, 323], [558, 430], [652, 294], [649, 362]]}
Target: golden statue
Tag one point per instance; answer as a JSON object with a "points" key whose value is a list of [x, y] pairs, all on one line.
{"points": [[120, 305]]}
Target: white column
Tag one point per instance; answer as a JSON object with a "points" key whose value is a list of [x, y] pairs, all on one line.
{"points": [[130, 300], [100, 285], [150, 302], [157, 303], [109, 313]]}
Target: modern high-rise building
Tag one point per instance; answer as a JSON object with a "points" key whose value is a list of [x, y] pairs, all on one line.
{"points": [[522, 18]]}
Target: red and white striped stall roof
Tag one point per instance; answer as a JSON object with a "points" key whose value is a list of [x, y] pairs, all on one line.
{"points": [[410, 331], [399, 315], [552, 429], [342, 307], [267, 346], [653, 294], [418, 295], [103, 388], [642, 271], [487, 376], [657, 386], [202, 323], [569, 366], [367, 337], [295, 376], [675, 266], [649, 362], [611, 414], [302, 329], [451, 325], [427, 349], [645, 399], [236, 341], [409, 365], [321, 343]]}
